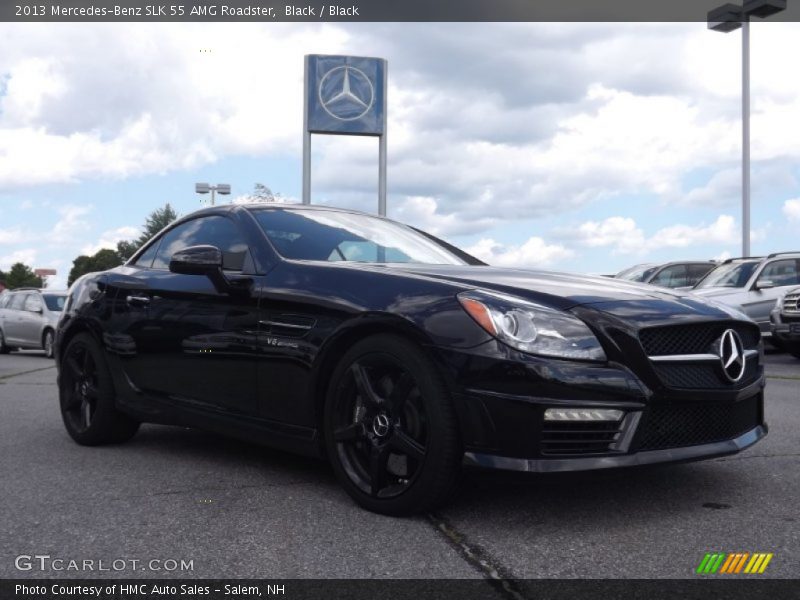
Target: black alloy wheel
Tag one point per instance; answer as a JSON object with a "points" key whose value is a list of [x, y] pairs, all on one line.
{"points": [[86, 396], [48, 343], [390, 428]]}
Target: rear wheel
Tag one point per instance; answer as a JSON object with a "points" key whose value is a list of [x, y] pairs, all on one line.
{"points": [[3, 348], [390, 428], [86, 396], [48, 343]]}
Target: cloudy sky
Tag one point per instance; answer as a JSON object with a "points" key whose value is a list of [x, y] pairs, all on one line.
{"points": [[583, 147]]}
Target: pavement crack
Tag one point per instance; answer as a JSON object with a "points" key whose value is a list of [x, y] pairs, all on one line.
{"points": [[4, 378], [478, 558]]}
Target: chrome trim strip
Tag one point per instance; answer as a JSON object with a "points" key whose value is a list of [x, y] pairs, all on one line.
{"points": [[288, 325], [684, 358], [695, 357]]}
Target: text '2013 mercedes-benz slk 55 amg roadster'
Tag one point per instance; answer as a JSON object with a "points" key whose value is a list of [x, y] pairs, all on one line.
{"points": [[399, 357]]}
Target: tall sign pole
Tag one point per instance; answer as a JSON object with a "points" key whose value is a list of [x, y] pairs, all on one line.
{"points": [[306, 139], [345, 95]]}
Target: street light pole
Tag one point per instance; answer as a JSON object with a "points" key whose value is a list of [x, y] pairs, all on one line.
{"points": [[727, 18], [204, 188], [746, 135]]}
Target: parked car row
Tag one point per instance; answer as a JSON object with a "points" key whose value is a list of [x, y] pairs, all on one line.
{"points": [[28, 318], [754, 285], [675, 275]]}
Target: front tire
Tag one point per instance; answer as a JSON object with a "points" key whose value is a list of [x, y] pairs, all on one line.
{"points": [[3, 348], [86, 396], [390, 428], [48, 343]]}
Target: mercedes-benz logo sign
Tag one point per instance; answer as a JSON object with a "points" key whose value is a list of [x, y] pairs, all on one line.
{"points": [[346, 93], [380, 425], [731, 355]]}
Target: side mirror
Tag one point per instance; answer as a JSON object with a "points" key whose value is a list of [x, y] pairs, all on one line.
{"points": [[197, 260], [764, 284], [207, 260]]}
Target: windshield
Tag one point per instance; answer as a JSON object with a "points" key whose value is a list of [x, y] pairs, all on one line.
{"points": [[55, 302], [731, 275], [340, 236], [637, 273]]}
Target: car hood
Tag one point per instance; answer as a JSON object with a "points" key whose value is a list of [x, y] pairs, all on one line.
{"points": [[718, 292], [635, 302]]}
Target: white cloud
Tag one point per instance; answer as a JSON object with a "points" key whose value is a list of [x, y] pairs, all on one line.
{"points": [[11, 236], [535, 252], [721, 231], [109, 239], [26, 256], [70, 224], [123, 99], [791, 208], [624, 236], [422, 212]]}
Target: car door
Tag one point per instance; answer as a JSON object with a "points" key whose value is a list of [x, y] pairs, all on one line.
{"points": [[186, 340], [12, 323], [30, 321], [778, 276]]}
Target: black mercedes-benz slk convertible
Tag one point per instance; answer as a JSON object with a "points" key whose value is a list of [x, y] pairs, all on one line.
{"points": [[398, 356]]}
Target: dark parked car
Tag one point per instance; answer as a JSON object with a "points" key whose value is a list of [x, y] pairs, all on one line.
{"points": [[400, 358], [785, 322], [676, 275]]}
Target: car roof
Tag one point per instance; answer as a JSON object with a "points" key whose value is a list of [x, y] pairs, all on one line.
{"points": [[276, 206]]}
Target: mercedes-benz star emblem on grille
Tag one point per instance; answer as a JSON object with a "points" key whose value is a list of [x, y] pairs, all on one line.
{"points": [[346, 93], [731, 355]]}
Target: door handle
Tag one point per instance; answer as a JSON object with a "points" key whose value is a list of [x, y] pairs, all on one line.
{"points": [[137, 300]]}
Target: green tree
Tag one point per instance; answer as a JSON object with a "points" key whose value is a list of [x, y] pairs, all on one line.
{"points": [[21, 275], [156, 221], [101, 261]]}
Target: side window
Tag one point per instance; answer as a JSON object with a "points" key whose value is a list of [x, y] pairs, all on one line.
{"points": [[4, 300], [32, 303], [213, 230], [17, 301], [697, 272], [674, 276], [146, 259], [781, 273]]}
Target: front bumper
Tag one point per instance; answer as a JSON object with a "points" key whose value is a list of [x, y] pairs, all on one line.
{"points": [[503, 426], [648, 457]]}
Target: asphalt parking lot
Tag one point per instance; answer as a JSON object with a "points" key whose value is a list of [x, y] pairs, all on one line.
{"points": [[238, 510]]}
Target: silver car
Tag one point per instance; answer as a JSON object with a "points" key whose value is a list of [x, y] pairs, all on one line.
{"points": [[785, 319], [28, 318], [753, 285]]}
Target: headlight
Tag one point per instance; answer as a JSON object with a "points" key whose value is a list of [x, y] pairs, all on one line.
{"points": [[532, 328]]}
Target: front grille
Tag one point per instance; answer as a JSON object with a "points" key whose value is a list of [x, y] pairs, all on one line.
{"points": [[703, 376], [680, 425], [791, 304], [694, 339], [565, 437]]}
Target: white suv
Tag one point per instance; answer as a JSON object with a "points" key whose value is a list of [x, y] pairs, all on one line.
{"points": [[753, 285]]}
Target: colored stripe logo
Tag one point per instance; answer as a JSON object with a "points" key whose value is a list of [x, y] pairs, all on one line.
{"points": [[734, 563]]}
